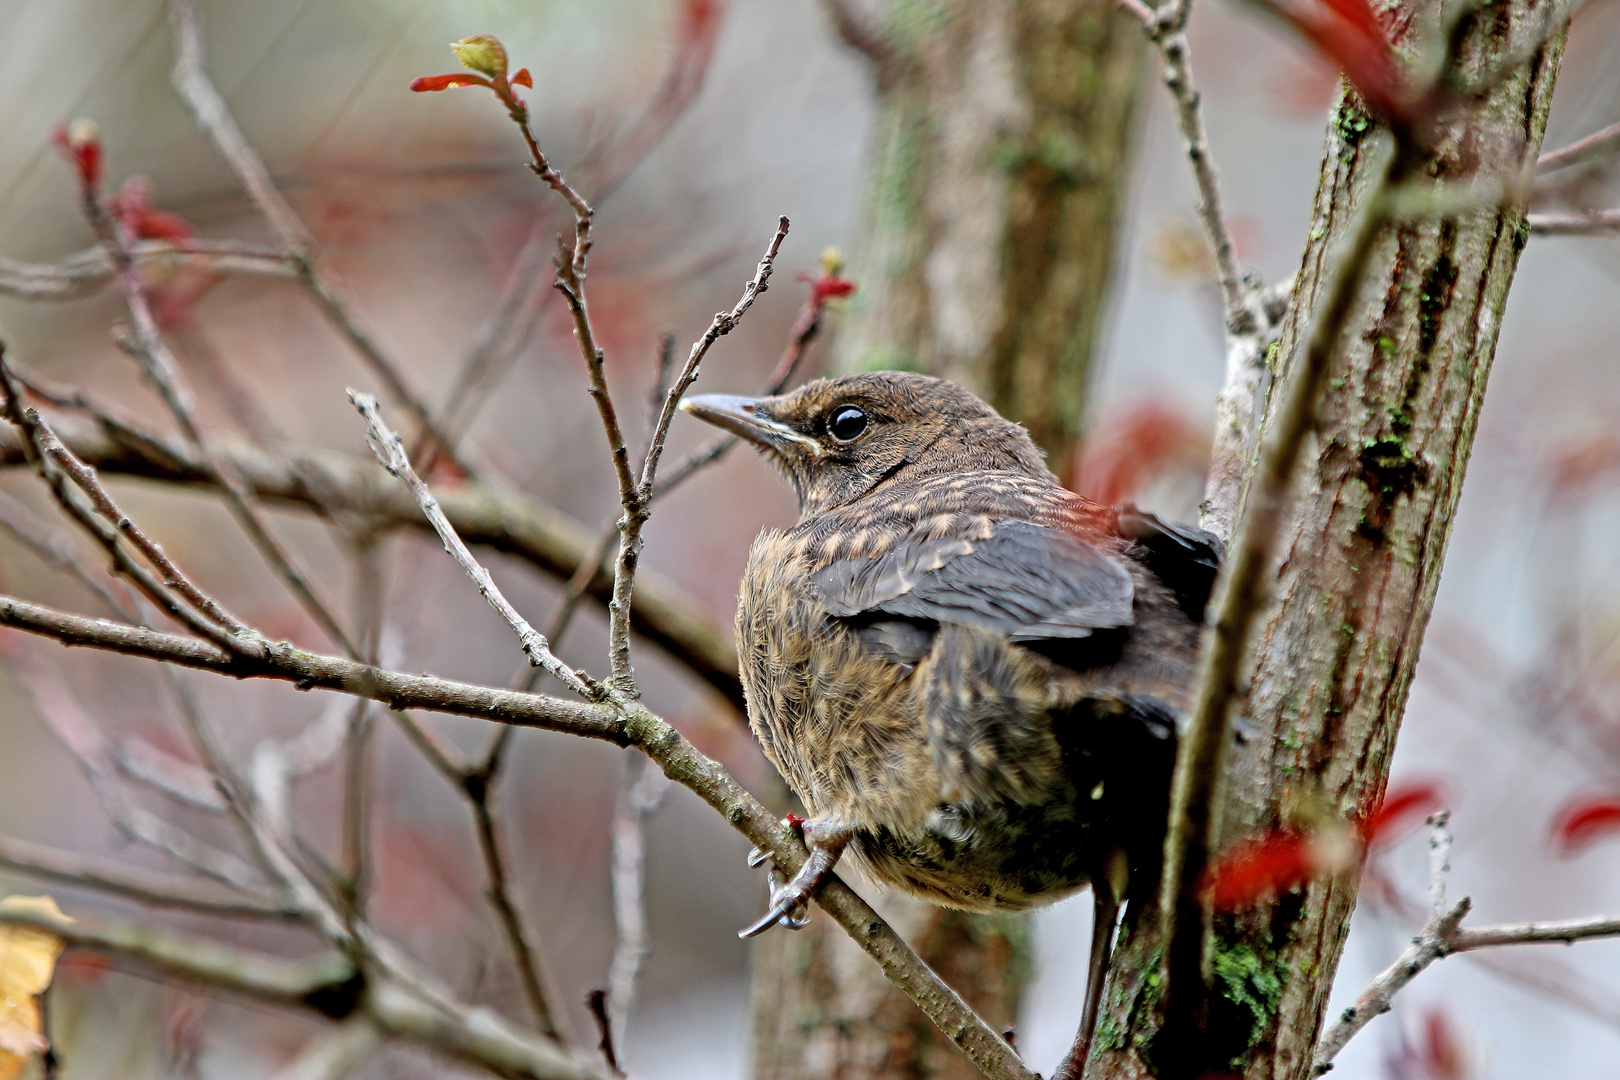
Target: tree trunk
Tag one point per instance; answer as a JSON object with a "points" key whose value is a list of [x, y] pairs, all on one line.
{"points": [[1358, 557], [998, 159]]}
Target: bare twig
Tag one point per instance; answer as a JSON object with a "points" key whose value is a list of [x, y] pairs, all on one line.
{"points": [[84, 272], [1202, 748], [132, 883], [635, 498], [330, 984], [1251, 321], [482, 512], [102, 519], [285, 662], [22, 526], [162, 370], [390, 451], [191, 81], [1533, 933], [619, 723], [640, 792], [516, 307], [84, 739], [1439, 861], [856, 30], [519, 939], [335, 1053], [1581, 223], [806, 327], [596, 1001], [180, 780], [1425, 949], [1166, 27], [1594, 145]]}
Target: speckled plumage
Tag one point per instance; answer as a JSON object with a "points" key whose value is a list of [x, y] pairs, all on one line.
{"points": [[967, 671]]}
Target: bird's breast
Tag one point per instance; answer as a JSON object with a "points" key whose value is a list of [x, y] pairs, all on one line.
{"points": [[842, 725]]}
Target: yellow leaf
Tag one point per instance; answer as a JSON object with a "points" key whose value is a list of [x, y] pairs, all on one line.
{"points": [[27, 962]]}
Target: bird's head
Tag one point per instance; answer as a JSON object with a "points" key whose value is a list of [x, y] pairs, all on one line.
{"points": [[837, 439]]}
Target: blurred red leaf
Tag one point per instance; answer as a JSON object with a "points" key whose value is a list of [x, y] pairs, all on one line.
{"points": [[522, 78], [132, 206], [1578, 466], [430, 83], [1583, 822], [824, 287], [1441, 1050], [1125, 452], [1349, 33], [1402, 807], [1273, 863], [700, 19]]}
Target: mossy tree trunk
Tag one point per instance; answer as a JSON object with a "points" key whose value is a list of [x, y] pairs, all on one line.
{"points": [[1358, 558], [998, 166], [998, 163]]}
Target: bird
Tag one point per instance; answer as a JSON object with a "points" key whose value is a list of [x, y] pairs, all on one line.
{"points": [[971, 677]]}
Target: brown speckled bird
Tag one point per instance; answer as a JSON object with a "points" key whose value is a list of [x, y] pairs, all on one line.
{"points": [[970, 676]]}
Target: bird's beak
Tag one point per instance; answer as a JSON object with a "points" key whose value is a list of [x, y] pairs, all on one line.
{"points": [[744, 416]]}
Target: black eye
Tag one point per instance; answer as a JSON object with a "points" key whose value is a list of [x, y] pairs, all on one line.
{"points": [[847, 423]]}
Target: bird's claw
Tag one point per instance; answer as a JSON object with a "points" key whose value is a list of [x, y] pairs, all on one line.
{"points": [[790, 900], [790, 903]]}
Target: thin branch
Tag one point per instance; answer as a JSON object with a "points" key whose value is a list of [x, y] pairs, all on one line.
{"points": [[68, 476], [482, 512], [640, 792], [1594, 145], [53, 550], [85, 741], [856, 30], [516, 307], [1166, 27], [635, 500], [1425, 949], [1580, 223], [390, 451], [518, 937], [806, 328], [191, 81], [1251, 322], [597, 1002], [619, 723], [86, 272], [1533, 933], [133, 883], [329, 984], [258, 975], [306, 670], [1439, 861], [334, 1053], [162, 370]]}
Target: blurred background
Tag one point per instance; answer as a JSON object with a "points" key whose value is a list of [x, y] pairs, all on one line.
{"points": [[421, 205]]}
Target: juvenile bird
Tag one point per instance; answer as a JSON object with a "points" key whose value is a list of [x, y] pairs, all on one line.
{"points": [[969, 675]]}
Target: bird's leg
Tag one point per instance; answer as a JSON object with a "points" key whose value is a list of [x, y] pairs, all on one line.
{"points": [[1105, 908], [826, 840]]}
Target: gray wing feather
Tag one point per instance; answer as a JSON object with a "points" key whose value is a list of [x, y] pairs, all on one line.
{"points": [[1026, 581]]}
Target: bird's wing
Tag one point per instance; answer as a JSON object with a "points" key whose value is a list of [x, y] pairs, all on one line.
{"points": [[1184, 558], [1024, 580]]}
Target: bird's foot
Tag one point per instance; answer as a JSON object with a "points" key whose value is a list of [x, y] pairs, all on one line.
{"points": [[790, 900]]}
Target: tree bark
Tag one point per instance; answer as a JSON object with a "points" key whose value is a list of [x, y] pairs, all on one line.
{"points": [[998, 160], [1358, 557]]}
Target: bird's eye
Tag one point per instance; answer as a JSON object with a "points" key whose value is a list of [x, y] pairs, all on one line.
{"points": [[847, 423]]}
